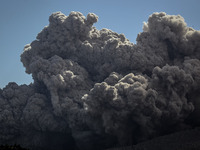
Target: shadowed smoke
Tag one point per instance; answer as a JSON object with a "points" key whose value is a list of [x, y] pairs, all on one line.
{"points": [[94, 89]]}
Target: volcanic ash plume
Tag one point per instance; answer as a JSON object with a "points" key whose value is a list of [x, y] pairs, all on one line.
{"points": [[94, 88]]}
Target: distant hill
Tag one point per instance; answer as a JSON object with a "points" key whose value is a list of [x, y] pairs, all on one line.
{"points": [[184, 140]]}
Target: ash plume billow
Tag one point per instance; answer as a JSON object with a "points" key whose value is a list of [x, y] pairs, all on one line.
{"points": [[94, 89]]}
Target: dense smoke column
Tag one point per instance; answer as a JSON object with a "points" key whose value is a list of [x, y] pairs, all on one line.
{"points": [[94, 88]]}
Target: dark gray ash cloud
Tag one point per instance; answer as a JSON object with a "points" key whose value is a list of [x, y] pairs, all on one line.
{"points": [[94, 88]]}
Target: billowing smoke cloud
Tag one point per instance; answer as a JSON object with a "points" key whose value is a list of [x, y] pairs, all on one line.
{"points": [[95, 89]]}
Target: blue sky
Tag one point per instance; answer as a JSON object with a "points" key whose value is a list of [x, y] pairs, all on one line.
{"points": [[22, 20]]}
